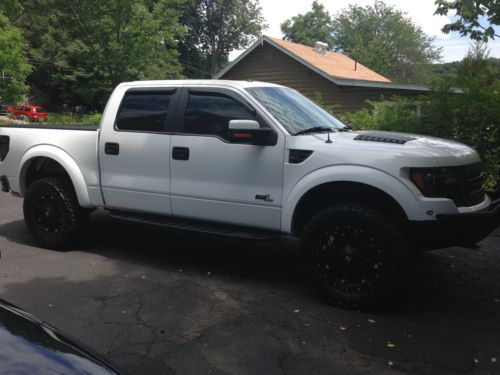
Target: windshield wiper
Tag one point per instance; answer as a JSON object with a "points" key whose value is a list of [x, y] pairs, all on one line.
{"points": [[315, 129], [346, 128]]}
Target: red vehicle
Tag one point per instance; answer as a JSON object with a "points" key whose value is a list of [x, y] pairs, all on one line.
{"points": [[30, 112]]}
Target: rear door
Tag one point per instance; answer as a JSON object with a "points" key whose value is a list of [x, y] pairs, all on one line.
{"points": [[135, 152]]}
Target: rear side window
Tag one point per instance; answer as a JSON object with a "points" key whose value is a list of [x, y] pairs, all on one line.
{"points": [[144, 111], [210, 114]]}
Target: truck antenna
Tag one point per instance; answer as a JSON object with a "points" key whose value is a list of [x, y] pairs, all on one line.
{"points": [[328, 140]]}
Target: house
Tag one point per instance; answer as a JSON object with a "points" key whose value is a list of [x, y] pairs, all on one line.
{"points": [[339, 80]]}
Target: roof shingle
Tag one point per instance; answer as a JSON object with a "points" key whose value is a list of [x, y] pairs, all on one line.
{"points": [[332, 63]]}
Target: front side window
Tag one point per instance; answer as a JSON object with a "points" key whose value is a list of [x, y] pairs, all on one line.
{"points": [[294, 111], [210, 114], [144, 111]]}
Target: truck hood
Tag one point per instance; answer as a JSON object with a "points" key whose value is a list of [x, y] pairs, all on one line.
{"points": [[444, 151]]}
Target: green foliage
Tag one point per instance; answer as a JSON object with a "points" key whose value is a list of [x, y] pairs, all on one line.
{"points": [[70, 118], [384, 39], [397, 114], [309, 28], [433, 72], [474, 116], [213, 29], [469, 14], [14, 66], [83, 49], [471, 117]]}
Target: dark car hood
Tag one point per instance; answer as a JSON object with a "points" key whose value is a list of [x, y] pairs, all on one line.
{"points": [[29, 346]]}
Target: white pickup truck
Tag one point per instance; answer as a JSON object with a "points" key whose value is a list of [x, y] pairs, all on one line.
{"points": [[253, 160]]}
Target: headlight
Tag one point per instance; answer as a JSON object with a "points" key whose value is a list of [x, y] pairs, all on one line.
{"points": [[439, 182]]}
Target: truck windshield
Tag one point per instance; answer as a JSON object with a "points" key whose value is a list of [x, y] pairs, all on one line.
{"points": [[294, 111]]}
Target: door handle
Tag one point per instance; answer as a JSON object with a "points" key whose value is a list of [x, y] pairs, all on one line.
{"points": [[112, 148], [180, 153]]}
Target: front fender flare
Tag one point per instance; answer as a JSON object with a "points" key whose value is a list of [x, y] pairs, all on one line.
{"points": [[350, 173], [66, 161]]}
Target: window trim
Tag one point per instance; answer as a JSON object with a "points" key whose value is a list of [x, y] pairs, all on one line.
{"points": [[171, 112], [178, 128]]}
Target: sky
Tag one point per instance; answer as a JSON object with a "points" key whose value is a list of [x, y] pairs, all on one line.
{"points": [[420, 11]]}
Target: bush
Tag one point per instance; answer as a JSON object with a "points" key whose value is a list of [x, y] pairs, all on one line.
{"points": [[398, 114], [70, 118]]}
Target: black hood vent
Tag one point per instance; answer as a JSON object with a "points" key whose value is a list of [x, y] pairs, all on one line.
{"points": [[384, 138], [298, 156]]}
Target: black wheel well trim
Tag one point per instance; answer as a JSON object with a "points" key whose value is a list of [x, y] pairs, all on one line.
{"points": [[324, 195], [39, 167]]}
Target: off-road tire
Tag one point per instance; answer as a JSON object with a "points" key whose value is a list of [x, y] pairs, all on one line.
{"points": [[52, 213], [356, 255]]}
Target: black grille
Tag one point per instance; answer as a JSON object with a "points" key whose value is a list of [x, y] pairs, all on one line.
{"points": [[473, 185], [298, 156]]}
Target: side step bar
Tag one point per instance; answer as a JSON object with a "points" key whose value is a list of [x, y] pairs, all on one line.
{"points": [[224, 230]]}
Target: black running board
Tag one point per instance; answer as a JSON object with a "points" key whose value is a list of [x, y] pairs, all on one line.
{"points": [[198, 226]]}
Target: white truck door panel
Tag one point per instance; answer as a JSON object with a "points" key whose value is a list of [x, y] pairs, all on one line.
{"points": [[135, 153], [221, 181]]}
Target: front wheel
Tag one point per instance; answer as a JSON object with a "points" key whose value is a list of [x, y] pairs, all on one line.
{"points": [[52, 213], [355, 254]]}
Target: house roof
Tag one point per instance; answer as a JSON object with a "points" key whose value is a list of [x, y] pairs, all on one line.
{"points": [[333, 66], [332, 63]]}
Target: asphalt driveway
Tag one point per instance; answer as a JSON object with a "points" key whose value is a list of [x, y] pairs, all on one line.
{"points": [[162, 302]]}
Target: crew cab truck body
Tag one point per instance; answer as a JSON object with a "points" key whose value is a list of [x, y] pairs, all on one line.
{"points": [[253, 160]]}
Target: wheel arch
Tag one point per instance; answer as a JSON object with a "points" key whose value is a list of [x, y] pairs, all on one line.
{"points": [[60, 162], [338, 184]]}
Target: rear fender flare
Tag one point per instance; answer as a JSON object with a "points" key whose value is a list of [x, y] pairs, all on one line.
{"points": [[65, 160]]}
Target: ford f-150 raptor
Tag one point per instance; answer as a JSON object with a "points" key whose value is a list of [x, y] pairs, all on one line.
{"points": [[253, 160]]}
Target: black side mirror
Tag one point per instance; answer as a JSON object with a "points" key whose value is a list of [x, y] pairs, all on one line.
{"points": [[250, 132]]}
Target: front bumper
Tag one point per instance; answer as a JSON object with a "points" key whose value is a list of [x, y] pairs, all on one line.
{"points": [[461, 229]]}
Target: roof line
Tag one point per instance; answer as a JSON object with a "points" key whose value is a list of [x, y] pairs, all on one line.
{"points": [[239, 58], [336, 80]]}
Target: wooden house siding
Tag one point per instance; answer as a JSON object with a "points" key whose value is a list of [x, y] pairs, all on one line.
{"points": [[268, 64]]}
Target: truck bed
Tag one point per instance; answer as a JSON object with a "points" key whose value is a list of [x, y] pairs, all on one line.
{"points": [[75, 145]]}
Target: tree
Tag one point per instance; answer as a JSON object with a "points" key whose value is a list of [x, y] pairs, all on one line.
{"points": [[216, 27], [470, 16], [14, 66], [384, 39], [84, 48], [309, 28]]}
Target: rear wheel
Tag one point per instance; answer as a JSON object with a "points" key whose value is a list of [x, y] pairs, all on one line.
{"points": [[52, 213], [355, 254]]}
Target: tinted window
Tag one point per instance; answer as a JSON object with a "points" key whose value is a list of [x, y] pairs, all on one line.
{"points": [[211, 113], [144, 111]]}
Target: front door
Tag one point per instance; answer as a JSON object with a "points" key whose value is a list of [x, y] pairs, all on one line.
{"points": [[213, 179]]}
